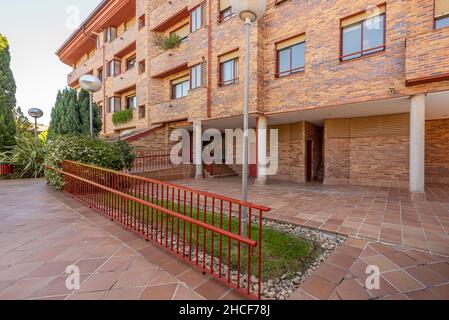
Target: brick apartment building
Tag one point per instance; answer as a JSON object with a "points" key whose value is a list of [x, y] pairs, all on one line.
{"points": [[359, 89]]}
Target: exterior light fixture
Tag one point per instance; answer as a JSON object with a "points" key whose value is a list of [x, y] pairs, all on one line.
{"points": [[91, 84], [249, 11], [35, 113]]}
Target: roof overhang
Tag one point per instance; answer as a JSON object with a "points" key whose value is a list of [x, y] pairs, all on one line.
{"points": [[83, 39]]}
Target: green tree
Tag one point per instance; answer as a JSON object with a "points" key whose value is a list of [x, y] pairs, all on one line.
{"points": [[23, 124], [7, 96], [70, 115]]}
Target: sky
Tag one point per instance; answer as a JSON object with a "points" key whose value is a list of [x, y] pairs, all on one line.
{"points": [[35, 30]]}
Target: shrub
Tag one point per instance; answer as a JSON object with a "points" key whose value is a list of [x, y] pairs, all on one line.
{"points": [[26, 156], [122, 117], [173, 40], [97, 152]]}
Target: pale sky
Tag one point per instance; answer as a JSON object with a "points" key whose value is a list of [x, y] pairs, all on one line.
{"points": [[35, 30]]}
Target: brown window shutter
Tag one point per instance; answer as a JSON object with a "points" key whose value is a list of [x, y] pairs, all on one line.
{"points": [[204, 73]]}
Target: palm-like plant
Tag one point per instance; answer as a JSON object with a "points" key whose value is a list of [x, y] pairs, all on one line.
{"points": [[171, 41], [27, 157]]}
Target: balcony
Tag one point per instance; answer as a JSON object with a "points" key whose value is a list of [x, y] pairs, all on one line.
{"points": [[88, 66], [124, 81], [427, 57], [192, 106], [122, 42], [190, 52], [166, 13]]}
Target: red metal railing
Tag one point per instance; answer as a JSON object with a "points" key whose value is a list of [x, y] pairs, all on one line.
{"points": [[201, 228], [151, 160], [6, 169]]}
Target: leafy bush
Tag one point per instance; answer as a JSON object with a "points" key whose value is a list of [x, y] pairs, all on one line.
{"points": [[122, 117], [101, 153], [173, 40], [26, 156]]}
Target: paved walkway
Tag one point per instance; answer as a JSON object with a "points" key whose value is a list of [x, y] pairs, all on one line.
{"points": [[379, 214], [42, 232], [407, 241]]}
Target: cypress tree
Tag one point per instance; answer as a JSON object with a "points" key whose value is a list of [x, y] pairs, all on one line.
{"points": [[7, 96], [70, 115]]}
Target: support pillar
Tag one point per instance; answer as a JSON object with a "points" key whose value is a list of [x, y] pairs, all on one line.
{"points": [[198, 149], [417, 146], [262, 160]]}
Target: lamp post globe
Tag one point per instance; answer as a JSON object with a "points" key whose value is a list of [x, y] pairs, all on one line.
{"points": [[35, 113], [91, 84], [249, 9]]}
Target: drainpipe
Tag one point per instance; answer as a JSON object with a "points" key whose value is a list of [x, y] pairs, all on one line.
{"points": [[209, 59]]}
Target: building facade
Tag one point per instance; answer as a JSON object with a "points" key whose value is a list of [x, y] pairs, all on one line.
{"points": [[358, 90]]}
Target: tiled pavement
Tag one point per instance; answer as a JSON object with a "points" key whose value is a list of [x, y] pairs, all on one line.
{"points": [[379, 214], [42, 232]]}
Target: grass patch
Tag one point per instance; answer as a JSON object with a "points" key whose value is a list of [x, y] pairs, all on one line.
{"points": [[282, 253]]}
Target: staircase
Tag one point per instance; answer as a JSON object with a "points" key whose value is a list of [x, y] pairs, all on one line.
{"points": [[216, 171]]}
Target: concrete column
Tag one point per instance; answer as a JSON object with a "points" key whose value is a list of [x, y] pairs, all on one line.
{"points": [[262, 161], [198, 149], [417, 146]]}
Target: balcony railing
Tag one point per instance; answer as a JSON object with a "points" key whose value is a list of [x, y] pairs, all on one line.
{"points": [[151, 160]]}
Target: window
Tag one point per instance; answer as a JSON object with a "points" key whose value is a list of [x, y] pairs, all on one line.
{"points": [[100, 74], [113, 68], [195, 77], [142, 112], [229, 69], [109, 34], [141, 22], [142, 67], [100, 110], [363, 34], [441, 14], [130, 63], [180, 87], [196, 17], [131, 102], [290, 56], [183, 32], [225, 11], [98, 42], [114, 104]]}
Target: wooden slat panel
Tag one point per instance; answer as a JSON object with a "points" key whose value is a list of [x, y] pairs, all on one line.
{"points": [[290, 42], [337, 128], [388, 125]]}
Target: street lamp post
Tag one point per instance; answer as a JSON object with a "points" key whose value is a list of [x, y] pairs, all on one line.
{"points": [[249, 11], [35, 113], [91, 84]]}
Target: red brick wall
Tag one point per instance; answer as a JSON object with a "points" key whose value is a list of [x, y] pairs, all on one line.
{"points": [[437, 151]]}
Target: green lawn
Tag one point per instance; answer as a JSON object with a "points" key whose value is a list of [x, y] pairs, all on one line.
{"points": [[282, 253]]}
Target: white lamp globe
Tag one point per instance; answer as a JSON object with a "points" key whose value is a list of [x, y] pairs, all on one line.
{"points": [[249, 9], [90, 83]]}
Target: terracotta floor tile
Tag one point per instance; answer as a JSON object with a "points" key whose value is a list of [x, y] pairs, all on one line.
{"points": [[341, 260], [135, 278], [160, 292], [49, 269], [100, 282], [381, 262], [186, 293], [318, 287], [87, 296], [426, 275], [385, 288], [441, 267], [123, 294], [426, 294], [331, 273], [300, 295], [117, 264], [90, 265], [193, 278], [442, 291], [352, 290], [402, 281], [24, 288], [212, 289]]}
